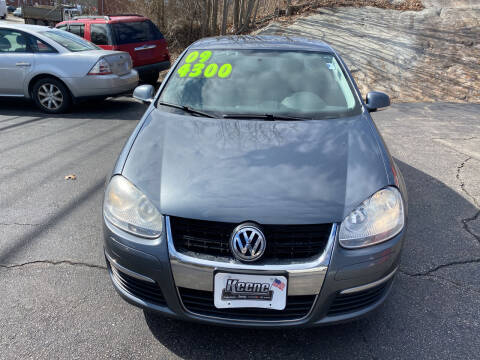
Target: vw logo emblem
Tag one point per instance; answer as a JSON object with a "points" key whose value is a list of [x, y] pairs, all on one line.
{"points": [[247, 242]]}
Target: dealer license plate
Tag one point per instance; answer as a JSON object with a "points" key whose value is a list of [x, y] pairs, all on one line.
{"points": [[250, 291]]}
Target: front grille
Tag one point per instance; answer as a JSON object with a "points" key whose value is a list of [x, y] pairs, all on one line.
{"points": [[347, 303], [283, 241], [140, 289], [201, 302]]}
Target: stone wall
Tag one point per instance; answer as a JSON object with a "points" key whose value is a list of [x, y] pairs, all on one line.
{"points": [[430, 55]]}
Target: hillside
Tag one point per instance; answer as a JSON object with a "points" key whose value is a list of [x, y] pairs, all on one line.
{"points": [[428, 55]]}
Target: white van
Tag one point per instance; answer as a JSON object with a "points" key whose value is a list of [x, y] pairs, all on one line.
{"points": [[3, 9]]}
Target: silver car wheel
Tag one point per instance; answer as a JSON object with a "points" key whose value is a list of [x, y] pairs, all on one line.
{"points": [[50, 96]]}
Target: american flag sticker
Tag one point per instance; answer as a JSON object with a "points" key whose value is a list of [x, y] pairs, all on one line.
{"points": [[279, 284]]}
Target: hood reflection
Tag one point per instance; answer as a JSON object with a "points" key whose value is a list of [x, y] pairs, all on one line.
{"points": [[269, 172]]}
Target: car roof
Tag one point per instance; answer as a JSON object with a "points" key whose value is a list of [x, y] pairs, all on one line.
{"points": [[262, 42]]}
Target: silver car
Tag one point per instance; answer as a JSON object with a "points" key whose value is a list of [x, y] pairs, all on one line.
{"points": [[55, 68]]}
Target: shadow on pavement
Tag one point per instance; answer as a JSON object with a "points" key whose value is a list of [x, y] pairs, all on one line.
{"points": [[122, 108], [382, 333], [197, 341], [19, 244]]}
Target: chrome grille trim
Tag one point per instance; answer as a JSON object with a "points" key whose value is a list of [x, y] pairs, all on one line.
{"points": [[370, 285], [126, 271], [196, 272]]}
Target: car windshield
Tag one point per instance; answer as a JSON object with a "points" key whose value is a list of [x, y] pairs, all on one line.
{"points": [[69, 41], [282, 83]]}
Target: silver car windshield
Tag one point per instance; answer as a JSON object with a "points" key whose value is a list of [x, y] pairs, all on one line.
{"points": [[69, 41], [290, 83]]}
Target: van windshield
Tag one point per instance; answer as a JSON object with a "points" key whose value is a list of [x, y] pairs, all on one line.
{"points": [[289, 83]]}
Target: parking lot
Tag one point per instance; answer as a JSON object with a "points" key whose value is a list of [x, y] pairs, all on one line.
{"points": [[57, 301], [13, 19]]}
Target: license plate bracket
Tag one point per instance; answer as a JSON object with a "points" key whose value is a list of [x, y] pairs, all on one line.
{"points": [[250, 291]]}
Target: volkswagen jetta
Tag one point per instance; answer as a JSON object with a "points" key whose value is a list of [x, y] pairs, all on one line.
{"points": [[256, 190]]}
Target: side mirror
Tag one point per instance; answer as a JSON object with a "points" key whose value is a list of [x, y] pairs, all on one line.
{"points": [[377, 100], [144, 93]]}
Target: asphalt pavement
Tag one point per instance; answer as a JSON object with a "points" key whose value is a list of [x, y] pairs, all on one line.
{"points": [[56, 300]]}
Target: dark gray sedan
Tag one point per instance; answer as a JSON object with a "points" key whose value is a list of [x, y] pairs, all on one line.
{"points": [[256, 190]]}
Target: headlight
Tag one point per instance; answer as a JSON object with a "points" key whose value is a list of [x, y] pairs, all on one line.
{"points": [[128, 208], [377, 219]]}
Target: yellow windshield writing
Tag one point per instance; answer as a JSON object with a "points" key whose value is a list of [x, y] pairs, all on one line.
{"points": [[195, 66]]}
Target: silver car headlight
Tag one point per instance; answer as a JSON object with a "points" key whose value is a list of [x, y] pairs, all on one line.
{"points": [[129, 209], [377, 219]]}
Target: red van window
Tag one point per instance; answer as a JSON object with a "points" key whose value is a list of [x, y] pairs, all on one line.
{"points": [[136, 32], [99, 34], [77, 29]]}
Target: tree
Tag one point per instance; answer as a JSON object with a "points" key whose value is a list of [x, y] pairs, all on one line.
{"points": [[214, 28], [205, 17], [255, 13], [226, 4], [236, 15], [289, 10], [248, 13]]}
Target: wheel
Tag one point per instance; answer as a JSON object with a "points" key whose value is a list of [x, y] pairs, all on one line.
{"points": [[51, 96], [150, 78]]}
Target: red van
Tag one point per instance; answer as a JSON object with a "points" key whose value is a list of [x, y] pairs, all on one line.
{"points": [[134, 34]]}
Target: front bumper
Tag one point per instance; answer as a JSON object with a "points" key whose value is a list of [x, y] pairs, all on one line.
{"points": [[335, 281]]}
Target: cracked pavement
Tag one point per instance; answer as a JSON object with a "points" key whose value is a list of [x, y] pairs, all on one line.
{"points": [[57, 301]]}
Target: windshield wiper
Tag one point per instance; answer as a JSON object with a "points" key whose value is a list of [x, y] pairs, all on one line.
{"points": [[187, 109], [268, 117]]}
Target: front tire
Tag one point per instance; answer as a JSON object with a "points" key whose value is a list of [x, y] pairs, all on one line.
{"points": [[51, 96]]}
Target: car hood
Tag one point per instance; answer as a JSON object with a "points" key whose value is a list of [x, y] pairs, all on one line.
{"points": [[271, 172]]}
